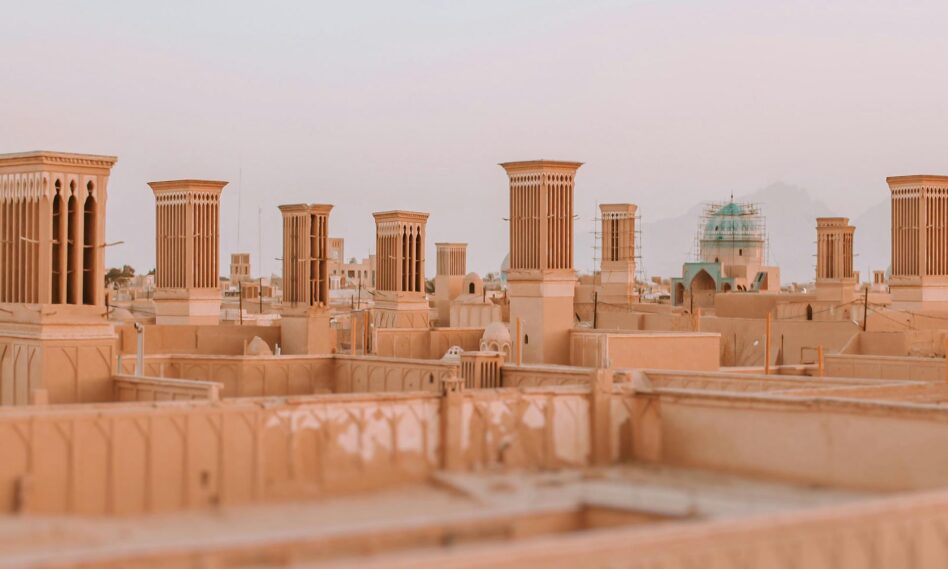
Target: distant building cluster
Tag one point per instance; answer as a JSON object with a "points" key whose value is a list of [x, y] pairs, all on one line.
{"points": [[357, 413]]}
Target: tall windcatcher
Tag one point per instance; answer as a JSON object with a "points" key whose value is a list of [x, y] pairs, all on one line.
{"points": [[187, 268], [541, 278], [835, 279], [305, 317], [617, 271], [449, 275], [306, 254], [400, 276], [919, 240], [52, 244], [52, 227]]}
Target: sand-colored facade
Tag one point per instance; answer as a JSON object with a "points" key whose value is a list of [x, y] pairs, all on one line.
{"points": [[450, 270], [187, 269], [753, 428], [541, 279], [400, 277]]}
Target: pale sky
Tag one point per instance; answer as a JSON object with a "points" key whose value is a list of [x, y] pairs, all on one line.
{"points": [[411, 105]]}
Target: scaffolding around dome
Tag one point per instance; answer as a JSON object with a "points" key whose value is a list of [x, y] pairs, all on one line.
{"points": [[730, 228], [729, 254]]}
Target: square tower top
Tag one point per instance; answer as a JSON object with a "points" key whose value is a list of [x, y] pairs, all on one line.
{"points": [[318, 208], [167, 186], [400, 215], [917, 181], [46, 160], [539, 165]]}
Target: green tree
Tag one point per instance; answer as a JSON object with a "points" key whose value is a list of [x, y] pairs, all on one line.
{"points": [[116, 276]]}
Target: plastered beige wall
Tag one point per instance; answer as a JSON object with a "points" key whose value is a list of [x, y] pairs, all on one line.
{"points": [[542, 376], [686, 351], [133, 459], [429, 343], [860, 445], [376, 374], [885, 367], [904, 531], [246, 376], [742, 339], [302, 375], [191, 339], [130, 388], [525, 429], [71, 371]]}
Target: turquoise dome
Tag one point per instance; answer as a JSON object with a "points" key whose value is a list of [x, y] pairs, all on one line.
{"points": [[731, 221]]}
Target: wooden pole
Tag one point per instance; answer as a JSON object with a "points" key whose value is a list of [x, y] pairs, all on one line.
{"points": [[365, 332], [595, 309], [820, 370], [767, 344], [865, 310], [352, 333], [519, 344], [240, 305]]}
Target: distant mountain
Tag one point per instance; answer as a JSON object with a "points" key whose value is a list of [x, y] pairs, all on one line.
{"points": [[791, 214], [873, 239]]}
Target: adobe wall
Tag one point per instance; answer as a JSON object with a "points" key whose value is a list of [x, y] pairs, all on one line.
{"points": [[892, 320], [916, 392], [368, 374], [687, 351], [426, 343], [542, 375], [70, 370], [165, 456], [917, 343], [246, 376], [131, 388], [902, 531], [525, 428], [193, 339], [739, 335], [756, 305], [885, 367], [746, 381], [255, 376], [852, 444], [160, 457]]}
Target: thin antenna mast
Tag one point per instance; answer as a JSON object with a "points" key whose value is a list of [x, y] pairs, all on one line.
{"points": [[260, 238], [240, 185]]}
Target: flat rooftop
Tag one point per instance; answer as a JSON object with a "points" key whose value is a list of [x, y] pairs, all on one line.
{"points": [[452, 508]]}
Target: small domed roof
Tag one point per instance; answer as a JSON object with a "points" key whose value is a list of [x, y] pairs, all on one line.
{"points": [[258, 347], [472, 279], [496, 332], [453, 354]]}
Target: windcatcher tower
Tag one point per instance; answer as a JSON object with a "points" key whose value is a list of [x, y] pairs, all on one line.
{"points": [[55, 341], [541, 280], [187, 271], [305, 311], [919, 241], [451, 269], [835, 279], [400, 274], [239, 268], [617, 273]]}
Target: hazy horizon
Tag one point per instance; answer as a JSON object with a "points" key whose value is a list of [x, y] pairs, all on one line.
{"points": [[411, 106]]}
